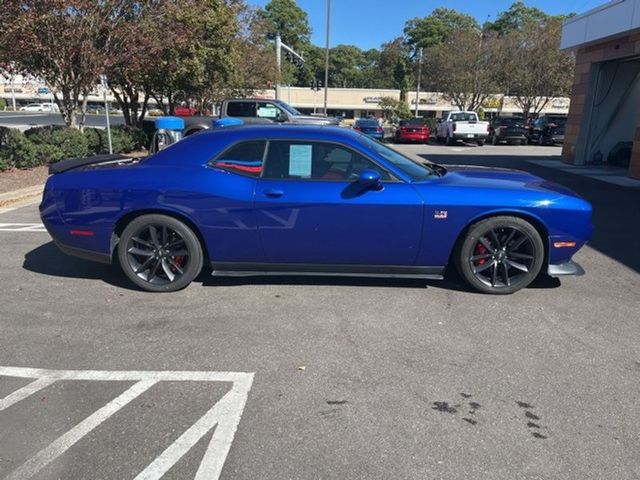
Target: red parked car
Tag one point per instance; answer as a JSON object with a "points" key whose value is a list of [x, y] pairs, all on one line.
{"points": [[186, 111], [413, 130]]}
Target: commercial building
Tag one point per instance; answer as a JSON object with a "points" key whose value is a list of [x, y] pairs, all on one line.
{"points": [[346, 102], [604, 117]]}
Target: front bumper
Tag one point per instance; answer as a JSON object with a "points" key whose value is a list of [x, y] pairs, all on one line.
{"points": [[567, 268]]}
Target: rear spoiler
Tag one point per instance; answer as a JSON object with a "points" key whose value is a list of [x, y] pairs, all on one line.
{"points": [[70, 163]]}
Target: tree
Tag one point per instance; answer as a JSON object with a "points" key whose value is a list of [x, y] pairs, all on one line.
{"points": [[533, 68], [516, 18], [394, 66], [254, 62], [199, 55], [287, 19], [393, 109], [437, 27], [66, 43], [464, 68], [346, 65], [129, 75]]}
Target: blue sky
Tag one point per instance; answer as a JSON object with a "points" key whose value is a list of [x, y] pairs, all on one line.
{"points": [[369, 23]]}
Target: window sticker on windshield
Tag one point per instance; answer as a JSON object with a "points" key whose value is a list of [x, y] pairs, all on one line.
{"points": [[268, 112], [300, 160]]}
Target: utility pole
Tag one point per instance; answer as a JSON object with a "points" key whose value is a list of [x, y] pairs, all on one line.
{"points": [[278, 63], [13, 91], [326, 58], [105, 87], [419, 78]]}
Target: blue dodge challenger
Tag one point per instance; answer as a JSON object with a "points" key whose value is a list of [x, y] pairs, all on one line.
{"points": [[306, 200]]}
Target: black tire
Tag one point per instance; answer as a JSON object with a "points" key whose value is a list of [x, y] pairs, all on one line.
{"points": [[541, 141], [494, 140], [500, 255], [481, 143], [164, 261], [449, 142]]}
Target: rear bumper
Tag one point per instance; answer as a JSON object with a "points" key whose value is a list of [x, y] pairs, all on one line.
{"points": [[567, 268], [413, 137], [84, 254], [470, 136], [512, 137]]}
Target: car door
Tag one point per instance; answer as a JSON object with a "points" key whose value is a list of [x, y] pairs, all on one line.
{"points": [[310, 209]]}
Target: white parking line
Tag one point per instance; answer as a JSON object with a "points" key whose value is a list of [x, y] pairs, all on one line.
{"points": [[224, 416], [22, 227]]}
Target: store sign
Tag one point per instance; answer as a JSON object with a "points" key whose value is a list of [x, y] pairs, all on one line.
{"points": [[426, 101], [560, 104], [372, 99]]}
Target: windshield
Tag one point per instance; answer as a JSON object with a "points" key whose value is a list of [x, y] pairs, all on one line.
{"points": [[413, 121], [463, 117], [416, 171], [512, 121], [289, 108]]}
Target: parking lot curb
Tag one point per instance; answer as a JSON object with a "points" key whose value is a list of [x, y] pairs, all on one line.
{"points": [[21, 196]]}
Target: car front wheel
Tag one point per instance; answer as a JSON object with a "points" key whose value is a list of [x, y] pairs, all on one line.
{"points": [[500, 255], [160, 253]]}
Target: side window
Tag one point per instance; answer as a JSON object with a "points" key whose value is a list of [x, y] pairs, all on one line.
{"points": [[316, 161], [244, 158], [268, 110], [241, 109]]}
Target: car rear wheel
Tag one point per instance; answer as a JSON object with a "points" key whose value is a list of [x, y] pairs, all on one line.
{"points": [[500, 255], [160, 253], [494, 140]]}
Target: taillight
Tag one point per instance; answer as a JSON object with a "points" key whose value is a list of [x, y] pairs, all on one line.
{"points": [[488, 128], [379, 130], [358, 129], [453, 127]]}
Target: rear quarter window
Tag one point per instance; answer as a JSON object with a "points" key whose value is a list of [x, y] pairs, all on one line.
{"points": [[244, 158]]}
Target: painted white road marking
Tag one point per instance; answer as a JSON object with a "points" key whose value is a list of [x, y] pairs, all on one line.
{"points": [[24, 392], [22, 227], [66, 441], [224, 416]]}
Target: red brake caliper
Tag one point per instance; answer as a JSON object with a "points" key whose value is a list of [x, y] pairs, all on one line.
{"points": [[481, 250]]}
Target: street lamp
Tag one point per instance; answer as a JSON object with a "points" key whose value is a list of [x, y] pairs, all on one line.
{"points": [[326, 58]]}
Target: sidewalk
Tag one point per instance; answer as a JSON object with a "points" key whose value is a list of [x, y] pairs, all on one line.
{"points": [[20, 197], [604, 173]]}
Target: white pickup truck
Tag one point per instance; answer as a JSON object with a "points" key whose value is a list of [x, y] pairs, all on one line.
{"points": [[462, 126]]}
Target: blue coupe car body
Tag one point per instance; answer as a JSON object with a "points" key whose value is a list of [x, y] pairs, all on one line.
{"points": [[252, 216]]}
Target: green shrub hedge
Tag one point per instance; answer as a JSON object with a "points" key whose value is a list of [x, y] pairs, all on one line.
{"points": [[43, 145]]}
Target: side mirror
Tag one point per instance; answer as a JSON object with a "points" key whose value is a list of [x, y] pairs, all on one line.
{"points": [[370, 179], [282, 117]]}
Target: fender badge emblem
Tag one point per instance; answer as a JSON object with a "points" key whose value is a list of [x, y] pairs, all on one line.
{"points": [[440, 214]]}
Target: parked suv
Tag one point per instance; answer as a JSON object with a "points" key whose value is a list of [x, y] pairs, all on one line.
{"points": [[548, 129], [508, 129]]}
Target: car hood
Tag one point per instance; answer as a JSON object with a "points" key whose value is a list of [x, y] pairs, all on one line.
{"points": [[502, 179]]}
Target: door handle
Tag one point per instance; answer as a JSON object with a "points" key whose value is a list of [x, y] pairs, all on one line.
{"points": [[273, 193]]}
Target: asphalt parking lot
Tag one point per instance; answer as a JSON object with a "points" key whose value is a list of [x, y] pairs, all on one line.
{"points": [[317, 378]]}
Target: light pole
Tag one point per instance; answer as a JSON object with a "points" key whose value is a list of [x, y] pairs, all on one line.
{"points": [[278, 63], [326, 58], [419, 78]]}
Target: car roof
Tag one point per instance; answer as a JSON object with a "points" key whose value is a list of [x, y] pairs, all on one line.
{"points": [[200, 147], [284, 131]]}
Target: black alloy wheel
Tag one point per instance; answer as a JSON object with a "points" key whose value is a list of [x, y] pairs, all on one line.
{"points": [[160, 253], [501, 255]]}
